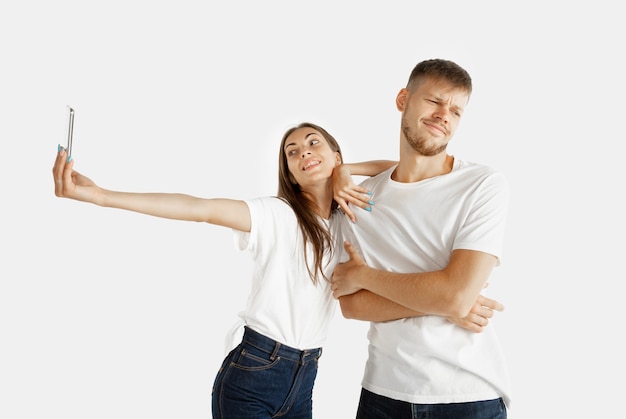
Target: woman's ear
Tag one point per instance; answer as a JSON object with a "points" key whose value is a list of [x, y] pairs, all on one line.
{"points": [[401, 99], [337, 158]]}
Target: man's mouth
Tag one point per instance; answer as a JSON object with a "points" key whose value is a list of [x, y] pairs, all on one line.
{"points": [[437, 127]]}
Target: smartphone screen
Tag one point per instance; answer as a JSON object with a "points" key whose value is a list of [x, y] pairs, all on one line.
{"points": [[70, 132]]}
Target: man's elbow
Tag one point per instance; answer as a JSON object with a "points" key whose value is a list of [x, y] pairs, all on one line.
{"points": [[349, 309]]}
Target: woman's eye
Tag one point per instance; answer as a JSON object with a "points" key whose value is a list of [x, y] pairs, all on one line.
{"points": [[313, 142]]}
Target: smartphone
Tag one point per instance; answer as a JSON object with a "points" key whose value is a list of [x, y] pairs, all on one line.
{"points": [[70, 132]]}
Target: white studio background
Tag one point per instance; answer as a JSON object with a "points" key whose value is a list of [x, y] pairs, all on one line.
{"points": [[109, 314]]}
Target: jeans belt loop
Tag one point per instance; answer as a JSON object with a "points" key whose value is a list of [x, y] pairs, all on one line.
{"points": [[276, 348]]}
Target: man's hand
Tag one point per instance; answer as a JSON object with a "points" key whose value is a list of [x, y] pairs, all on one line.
{"points": [[479, 315], [345, 277]]}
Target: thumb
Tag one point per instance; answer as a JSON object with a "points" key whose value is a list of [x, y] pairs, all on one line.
{"points": [[351, 250]]}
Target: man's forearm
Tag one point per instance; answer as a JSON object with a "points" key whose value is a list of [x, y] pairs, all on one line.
{"points": [[451, 291], [367, 306]]}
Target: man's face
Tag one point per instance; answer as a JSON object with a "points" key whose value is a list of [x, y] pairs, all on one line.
{"points": [[431, 114]]}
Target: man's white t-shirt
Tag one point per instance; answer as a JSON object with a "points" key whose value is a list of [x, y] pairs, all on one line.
{"points": [[414, 227], [284, 304]]}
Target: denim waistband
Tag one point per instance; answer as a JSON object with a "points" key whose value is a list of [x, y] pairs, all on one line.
{"points": [[277, 349]]}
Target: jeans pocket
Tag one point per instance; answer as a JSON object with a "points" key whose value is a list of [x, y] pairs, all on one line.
{"points": [[251, 360]]}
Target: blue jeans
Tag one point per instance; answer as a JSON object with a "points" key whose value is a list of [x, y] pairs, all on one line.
{"points": [[373, 406], [262, 378]]}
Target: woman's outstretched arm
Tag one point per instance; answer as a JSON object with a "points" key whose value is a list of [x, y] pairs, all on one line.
{"points": [[69, 183]]}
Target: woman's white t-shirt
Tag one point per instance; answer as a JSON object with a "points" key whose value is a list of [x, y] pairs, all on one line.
{"points": [[284, 304]]}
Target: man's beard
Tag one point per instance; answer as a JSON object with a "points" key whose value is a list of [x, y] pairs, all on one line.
{"points": [[419, 143]]}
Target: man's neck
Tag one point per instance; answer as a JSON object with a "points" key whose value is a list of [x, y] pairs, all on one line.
{"points": [[416, 168]]}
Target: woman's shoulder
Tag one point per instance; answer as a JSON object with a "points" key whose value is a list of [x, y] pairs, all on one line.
{"points": [[271, 204]]}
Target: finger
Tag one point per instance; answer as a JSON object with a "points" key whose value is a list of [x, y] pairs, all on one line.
{"points": [[346, 209], [478, 320], [58, 163], [361, 199], [483, 312], [490, 303], [360, 189], [482, 321], [57, 171], [355, 195], [342, 203], [352, 252], [466, 324], [67, 173], [336, 293]]}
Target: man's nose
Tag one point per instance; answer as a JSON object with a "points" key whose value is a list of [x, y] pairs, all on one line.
{"points": [[442, 113]]}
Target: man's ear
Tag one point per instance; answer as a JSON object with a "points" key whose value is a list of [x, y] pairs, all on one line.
{"points": [[401, 99]]}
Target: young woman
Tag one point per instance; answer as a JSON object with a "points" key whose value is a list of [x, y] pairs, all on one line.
{"points": [[295, 245]]}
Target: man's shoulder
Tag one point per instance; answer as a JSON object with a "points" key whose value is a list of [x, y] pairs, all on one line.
{"points": [[472, 165], [473, 173], [480, 169], [379, 178]]}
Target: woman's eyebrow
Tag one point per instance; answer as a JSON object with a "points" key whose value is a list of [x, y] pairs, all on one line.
{"points": [[305, 137]]}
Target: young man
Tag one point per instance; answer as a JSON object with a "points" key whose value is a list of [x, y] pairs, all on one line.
{"points": [[420, 258]]}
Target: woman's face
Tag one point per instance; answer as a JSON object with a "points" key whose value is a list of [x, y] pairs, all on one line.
{"points": [[309, 157]]}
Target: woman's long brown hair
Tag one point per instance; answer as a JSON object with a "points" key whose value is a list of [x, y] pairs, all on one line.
{"points": [[313, 231]]}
